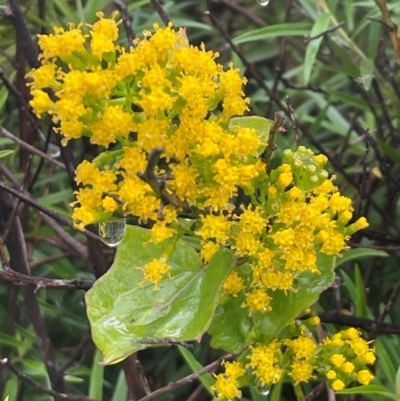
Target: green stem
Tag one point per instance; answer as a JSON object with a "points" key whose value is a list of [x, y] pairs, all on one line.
{"points": [[299, 392]]}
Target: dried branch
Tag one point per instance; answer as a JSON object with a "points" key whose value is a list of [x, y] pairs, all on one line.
{"points": [[362, 323], [185, 380], [20, 279], [271, 145], [13, 12], [323, 33], [30, 148], [126, 19], [37, 386], [253, 71], [30, 201], [161, 12], [293, 119], [159, 184], [392, 27]]}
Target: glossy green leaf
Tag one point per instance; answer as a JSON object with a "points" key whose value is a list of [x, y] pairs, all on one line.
{"points": [[357, 253], [321, 24], [233, 329], [274, 31], [127, 315], [260, 124], [370, 389]]}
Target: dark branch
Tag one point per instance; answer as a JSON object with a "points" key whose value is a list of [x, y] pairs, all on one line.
{"points": [[267, 153], [20, 279], [40, 387], [185, 380], [310, 38]]}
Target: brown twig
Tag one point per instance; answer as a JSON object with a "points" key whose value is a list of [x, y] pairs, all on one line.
{"points": [[30, 148], [293, 119], [161, 12], [323, 33], [185, 380], [360, 322], [271, 145], [253, 71], [392, 27], [37, 386], [30, 201], [12, 10], [20, 279], [126, 19]]}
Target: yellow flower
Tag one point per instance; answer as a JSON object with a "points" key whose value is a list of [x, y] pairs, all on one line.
{"points": [[225, 387], [233, 284], [364, 377], [301, 371], [257, 300], [41, 102], [338, 385], [154, 271]]}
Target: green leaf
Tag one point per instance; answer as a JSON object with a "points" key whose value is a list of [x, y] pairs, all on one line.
{"points": [[357, 253], [96, 378], [397, 382], [360, 301], [260, 124], [274, 31], [233, 329], [206, 379], [321, 24], [389, 151], [126, 314], [370, 389], [367, 73], [121, 388], [6, 152]]}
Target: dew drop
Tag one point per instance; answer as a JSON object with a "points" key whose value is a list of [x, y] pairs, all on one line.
{"points": [[112, 232], [263, 2], [263, 390], [53, 150]]}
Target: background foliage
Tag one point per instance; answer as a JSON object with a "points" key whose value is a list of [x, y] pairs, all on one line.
{"points": [[337, 61]]}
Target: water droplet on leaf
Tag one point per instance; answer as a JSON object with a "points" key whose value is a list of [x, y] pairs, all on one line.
{"points": [[112, 232], [263, 2], [264, 390]]}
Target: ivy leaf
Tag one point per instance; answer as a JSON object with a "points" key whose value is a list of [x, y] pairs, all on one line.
{"points": [[233, 329], [126, 316]]}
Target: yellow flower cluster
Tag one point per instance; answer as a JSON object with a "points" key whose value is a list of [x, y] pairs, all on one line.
{"points": [[162, 92], [341, 358], [166, 95], [297, 213]]}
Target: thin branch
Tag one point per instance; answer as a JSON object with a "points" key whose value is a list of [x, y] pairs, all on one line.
{"points": [[158, 183], [37, 386], [293, 119], [271, 145], [379, 21], [360, 322], [30, 148], [30, 201], [253, 71], [185, 380], [392, 32], [323, 33], [20, 279], [161, 12], [126, 19], [12, 10]]}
